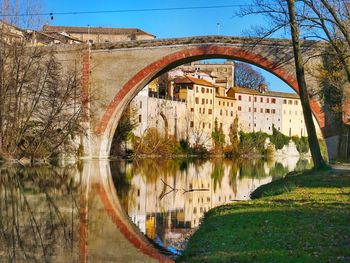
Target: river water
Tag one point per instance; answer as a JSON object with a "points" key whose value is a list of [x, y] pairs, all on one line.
{"points": [[119, 211]]}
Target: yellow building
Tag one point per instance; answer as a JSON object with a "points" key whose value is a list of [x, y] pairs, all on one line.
{"points": [[205, 104]]}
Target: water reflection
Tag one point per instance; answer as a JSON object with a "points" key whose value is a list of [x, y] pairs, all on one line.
{"points": [[39, 214], [166, 199], [77, 213]]}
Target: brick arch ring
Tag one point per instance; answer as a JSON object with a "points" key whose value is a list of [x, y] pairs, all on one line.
{"points": [[196, 53]]}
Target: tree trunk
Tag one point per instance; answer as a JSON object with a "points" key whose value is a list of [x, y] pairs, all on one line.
{"points": [[304, 96]]}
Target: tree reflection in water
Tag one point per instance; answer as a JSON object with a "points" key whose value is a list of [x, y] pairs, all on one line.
{"points": [[166, 199], [39, 214]]}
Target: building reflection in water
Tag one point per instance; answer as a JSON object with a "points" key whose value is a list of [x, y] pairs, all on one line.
{"points": [[166, 199], [77, 213]]}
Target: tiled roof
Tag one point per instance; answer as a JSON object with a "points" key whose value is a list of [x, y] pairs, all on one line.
{"points": [[267, 93], [95, 30], [188, 79]]}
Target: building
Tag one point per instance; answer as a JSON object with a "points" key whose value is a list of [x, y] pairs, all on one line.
{"points": [[259, 110], [222, 72], [206, 108], [162, 113], [99, 34], [10, 34]]}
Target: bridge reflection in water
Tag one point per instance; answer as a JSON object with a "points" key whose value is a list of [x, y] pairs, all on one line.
{"points": [[81, 213]]}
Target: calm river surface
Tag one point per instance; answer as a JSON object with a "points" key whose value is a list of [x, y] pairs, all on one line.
{"points": [[119, 211]]}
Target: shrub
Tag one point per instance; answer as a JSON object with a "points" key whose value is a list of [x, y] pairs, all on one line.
{"points": [[278, 138], [302, 144], [252, 140]]}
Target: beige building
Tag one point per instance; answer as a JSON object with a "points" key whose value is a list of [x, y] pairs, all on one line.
{"points": [[99, 34], [223, 73], [11, 34], [200, 97]]}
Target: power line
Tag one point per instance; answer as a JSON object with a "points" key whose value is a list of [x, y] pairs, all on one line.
{"points": [[125, 10]]}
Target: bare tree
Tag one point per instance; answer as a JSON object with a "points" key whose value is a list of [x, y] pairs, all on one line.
{"points": [[282, 15], [247, 77], [304, 96], [39, 103]]}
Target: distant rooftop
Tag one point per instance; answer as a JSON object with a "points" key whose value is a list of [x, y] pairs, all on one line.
{"points": [[267, 93], [95, 30], [193, 80]]}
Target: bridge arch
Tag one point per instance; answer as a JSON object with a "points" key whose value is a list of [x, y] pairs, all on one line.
{"points": [[109, 121]]}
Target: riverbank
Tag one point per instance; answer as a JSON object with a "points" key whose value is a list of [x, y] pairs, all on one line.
{"points": [[301, 218]]}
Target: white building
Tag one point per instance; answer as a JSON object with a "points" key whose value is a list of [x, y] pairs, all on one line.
{"points": [[164, 114], [259, 110]]}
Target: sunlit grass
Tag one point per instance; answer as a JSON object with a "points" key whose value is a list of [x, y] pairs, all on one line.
{"points": [[308, 222]]}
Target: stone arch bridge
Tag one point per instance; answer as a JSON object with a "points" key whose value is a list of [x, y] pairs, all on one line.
{"points": [[113, 73]]}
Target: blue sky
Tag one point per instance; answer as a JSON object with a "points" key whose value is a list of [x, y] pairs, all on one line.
{"points": [[163, 24]]}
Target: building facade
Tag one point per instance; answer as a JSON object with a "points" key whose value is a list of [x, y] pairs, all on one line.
{"points": [[259, 110]]}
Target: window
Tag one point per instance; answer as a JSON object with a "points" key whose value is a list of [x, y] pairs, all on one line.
{"points": [[203, 101], [197, 100], [211, 91], [209, 125], [261, 110], [200, 110], [192, 109], [220, 112], [223, 103], [239, 108], [140, 104], [254, 109], [221, 125], [196, 89], [250, 109], [295, 102], [191, 124], [268, 100], [219, 103], [290, 102], [231, 113], [267, 110], [206, 101], [204, 111], [273, 111], [261, 99], [273, 100], [254, 99], [210, 111], [203, 125], [203, 90], [207, 90], [226, 112], [239, 97], [140, 118], [284, 101], [231, 104], [250, 99], [211, 101]]}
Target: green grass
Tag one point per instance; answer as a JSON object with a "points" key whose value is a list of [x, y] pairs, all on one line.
{"points": [[302, 218]]}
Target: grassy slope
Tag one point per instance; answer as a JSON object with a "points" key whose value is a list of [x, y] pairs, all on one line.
{"points": [[309, 222]]}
